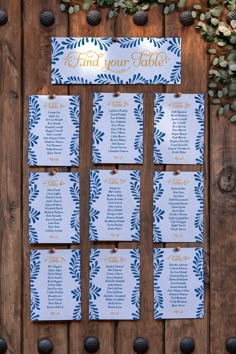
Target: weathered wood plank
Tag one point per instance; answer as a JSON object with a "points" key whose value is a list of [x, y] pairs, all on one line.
{"points": [[103, 330], [222, 232], [192, 82], [37, 68], [146, 327], [10, 177]]}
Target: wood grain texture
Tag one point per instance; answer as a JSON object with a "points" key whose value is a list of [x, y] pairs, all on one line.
{"points": [[10, 178], [191, 82], [36, 75]]}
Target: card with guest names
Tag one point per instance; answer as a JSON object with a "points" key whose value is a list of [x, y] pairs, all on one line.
{"points": [[53, 138], [178, 283], [114, 208], [178, 203], [55, 285], [117, 128], [178, 128], [54, 206], [114, 284]]}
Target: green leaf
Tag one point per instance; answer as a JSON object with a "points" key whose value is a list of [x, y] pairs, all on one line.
{"points": [[233, 106], [211, 93], [67, 1], [71, 10], [202, 17], [214, 21], [194, 14], [202, 25], [212, 85], [86, 6], [146, 6], [224, 64], [233, 118], [76, 8], [220, 94], [232, 87], [232, 40], [110, 14], [213, 2], [62, 7], [220, 111], [232, 94], [216, 101], [172, 7], [181, 3], [233, 23], [166, 10], [197, 7], [211, 51], [221, 44], [208, 15], [225, 91], [215, 61], [232, 67], [226, 108], [161, 1]]}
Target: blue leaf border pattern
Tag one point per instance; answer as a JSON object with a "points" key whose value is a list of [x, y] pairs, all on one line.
{"points": [[158, 213], [199, 143], [33, 213], [75, 196], [199, 194], [159, 136], [34, 295], [198, 271], [74, 109], [74, 271], [135, 270], [97, 134], [95, 193], [34, 118], [138, 114], [94, 291], [135, 217], [158, 265]]}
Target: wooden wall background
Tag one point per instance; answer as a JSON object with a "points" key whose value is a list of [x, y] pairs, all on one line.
{"points": [[25, 70]]}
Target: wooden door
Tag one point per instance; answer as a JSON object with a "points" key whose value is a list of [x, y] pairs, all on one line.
{"points": [[25, 70]]}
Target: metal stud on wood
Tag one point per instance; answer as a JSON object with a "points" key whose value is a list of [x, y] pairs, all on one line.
{"points": [[47, 18], [3, 345], [187, 345], [186, 18], [3, 17], [140, 345], [140, 18], [230, 345], [45, 346], [93, 18], [91, 344]]}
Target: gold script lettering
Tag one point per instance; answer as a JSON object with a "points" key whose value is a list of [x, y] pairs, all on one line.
{"points": [[89, 58], [147, 58], [116, 65]]}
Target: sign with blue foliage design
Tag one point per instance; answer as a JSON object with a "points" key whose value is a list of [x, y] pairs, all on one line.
{"points": [[117, 128], [54, 204], [178, 207], [114, 284], [114, 207], [55, 285], [178, 129], [178, 283], [53, 138], [124, 61]]}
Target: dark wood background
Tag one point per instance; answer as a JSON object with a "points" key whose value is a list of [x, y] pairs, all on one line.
{"points": [[25, 70]]}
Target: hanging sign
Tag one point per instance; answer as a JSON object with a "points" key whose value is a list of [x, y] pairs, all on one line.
{"points": [[119, 61]]}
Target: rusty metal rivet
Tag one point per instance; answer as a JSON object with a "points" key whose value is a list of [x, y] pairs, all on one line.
{"points": [[140, 345], [91, 344], [114, 171], [178, 94], [226, 180], [45, 346], [114, 250], [53, 173], [177, 249], [3, 17], [140, 18], [93, 18], [230, 345], [177, 172], [186, 18], [3, 345], [117, 94], [52, 96], [187, 345], [53, 250]]}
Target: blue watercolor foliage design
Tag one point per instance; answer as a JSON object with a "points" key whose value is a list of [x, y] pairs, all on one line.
{"points": [[135, 270], [34, 118], [34, 294], [70, 80], [158, 265], [74, 271], [175, 76], [57, 50], [95, 193], [97, 133], [56, 76], [138, 114], [103, 43], [74, 109], [135, 217], [174, 46], [105, 79], [94, 291], [199, 143], [199, 194], [75, 196], [33, 213], [158, 213], [159, 136], [198, 271]]}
